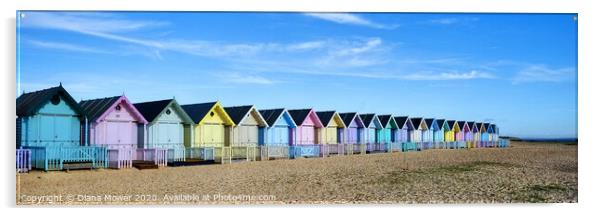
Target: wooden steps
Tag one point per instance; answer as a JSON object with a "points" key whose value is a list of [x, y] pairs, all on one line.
{"points": [[144, 165], [77, 165], [190, 162]]}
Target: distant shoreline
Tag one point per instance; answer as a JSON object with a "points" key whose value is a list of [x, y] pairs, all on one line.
{"points": [[556, 140]]}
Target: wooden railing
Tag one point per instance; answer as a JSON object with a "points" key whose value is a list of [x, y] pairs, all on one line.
{"points": [[53, 158], [376, 147], [248, 153], [328, 149], [355, 148], [274, 151], [23, 160], [306, 151], [156, 155]]}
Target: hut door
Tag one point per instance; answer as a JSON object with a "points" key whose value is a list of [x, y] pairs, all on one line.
{"points": [[47, 130], [281, 135]]}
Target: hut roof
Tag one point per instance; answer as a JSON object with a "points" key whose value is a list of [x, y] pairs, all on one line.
{"points": [[349, 117], [29, 103], [96, 107], [238, 113], [198, 111], [429, 122], [271, 115], [471, 124], [150, 110], [440, 123], [401, 121], [461, 124], [367, 118], [384, 119], [416, 122], [299, 115], [325, 116]]}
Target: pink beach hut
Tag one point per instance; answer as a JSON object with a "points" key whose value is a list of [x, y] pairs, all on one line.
{"points": [[306, 136], [116, 124]]}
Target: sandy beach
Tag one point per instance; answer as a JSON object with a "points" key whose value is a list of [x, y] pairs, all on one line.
{"points": [[525, 172]]}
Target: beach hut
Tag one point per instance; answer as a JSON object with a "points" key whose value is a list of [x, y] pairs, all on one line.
{"points": [[386, 134], [460, 139], [167, 122], [212, 126], [490, 132], [449, 133], [432, 130], [468, 134], [404, 133], [483, 134], [306, 136], [373, 126], [476, 134], [116, 124], [354, 132], [244, 140], [276, 137], [439, 135], [495, 134], [49, 125], [332, 132], [420, 133]]}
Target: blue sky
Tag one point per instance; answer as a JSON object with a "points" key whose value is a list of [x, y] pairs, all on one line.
{"points": [[516, 70]]}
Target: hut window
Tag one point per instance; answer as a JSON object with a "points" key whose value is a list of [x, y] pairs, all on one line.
{"points": [[55, 99], [211, 114], [118, 107], [168, 112]]}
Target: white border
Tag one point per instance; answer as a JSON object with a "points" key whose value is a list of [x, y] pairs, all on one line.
{"points": [[588, 76]]}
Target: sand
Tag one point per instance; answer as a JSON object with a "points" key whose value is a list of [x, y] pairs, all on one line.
{"points": [[526, 172]]}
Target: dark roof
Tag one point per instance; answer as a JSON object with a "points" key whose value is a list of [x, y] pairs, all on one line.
{"points": [[325, 116], [237, 113], [384, 119], [416, 122], [347, 117], [96, 107], [150, 110], [429, 121], [486, 126], [198, 111], [299, 115], [401, 120], [461, 124], [452, 123], [366, 118], [440, 123], [471, 124], [479, 125], [271, 115], [29, 103]]}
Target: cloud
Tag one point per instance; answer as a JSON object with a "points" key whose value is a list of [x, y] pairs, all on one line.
{"points": [[247, 79], [65, 46], [86, 22], [350, 19], [542, 73], [307, 45], [452, 20], [450, 76]]}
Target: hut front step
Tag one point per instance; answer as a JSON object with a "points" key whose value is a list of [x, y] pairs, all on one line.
{"points": [[77, 165], [190, 162], [145, 165]]}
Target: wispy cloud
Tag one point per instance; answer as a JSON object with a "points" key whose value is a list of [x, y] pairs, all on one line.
{"points": [[450, 76], [543, 73], [452, 20], [247, 79], [350, 19], [356, 57], [65, 46]]}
